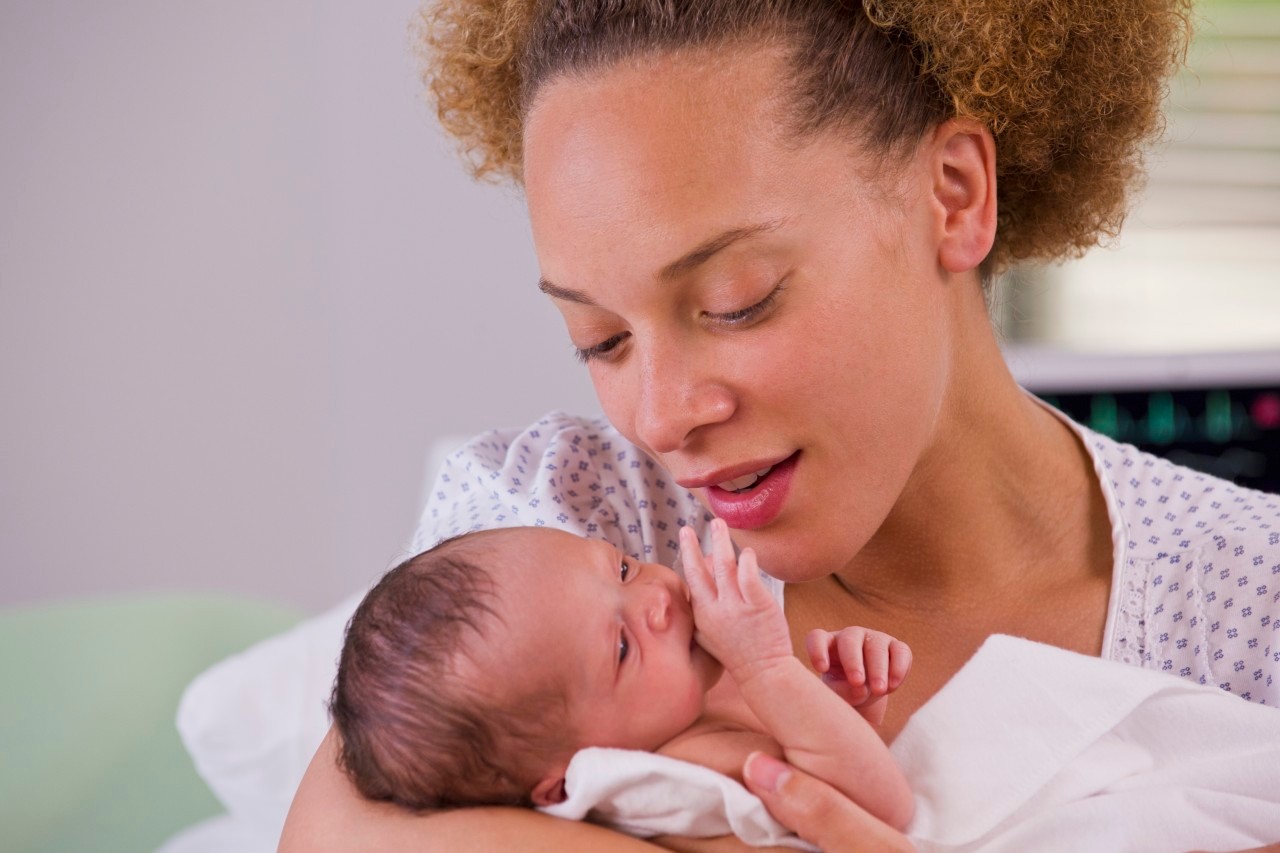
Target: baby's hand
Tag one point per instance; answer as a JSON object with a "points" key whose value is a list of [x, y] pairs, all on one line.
{"points": [[735, 617], [862, 666]]}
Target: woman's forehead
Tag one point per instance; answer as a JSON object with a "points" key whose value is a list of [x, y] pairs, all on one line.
{"points": [[635, 128], [624, 169]]}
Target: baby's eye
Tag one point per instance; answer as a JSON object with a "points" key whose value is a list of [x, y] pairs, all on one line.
{"points": [[623, 647], [624, 570]]}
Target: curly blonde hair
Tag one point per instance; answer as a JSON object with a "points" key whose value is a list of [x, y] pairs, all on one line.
{"points": [[1070, 89]]}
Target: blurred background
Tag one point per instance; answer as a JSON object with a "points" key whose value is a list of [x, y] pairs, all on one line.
{"points": [[244, 284], [245, 287]]}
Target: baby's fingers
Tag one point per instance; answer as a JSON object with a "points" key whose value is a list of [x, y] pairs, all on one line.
{"points": [[724, 563], [696, 574], [899, 663], [875, 657], [849, 650], [872, 710], [749, 583], [817, 643]]}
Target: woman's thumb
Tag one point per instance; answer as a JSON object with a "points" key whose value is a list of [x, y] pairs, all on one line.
{"points": [[815, 811]]}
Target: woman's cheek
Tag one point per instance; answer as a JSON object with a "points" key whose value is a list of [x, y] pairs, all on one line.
{"points": [[617, 396]]}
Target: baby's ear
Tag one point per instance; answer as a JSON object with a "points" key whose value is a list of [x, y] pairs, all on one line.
{"points": [[550, 788]]}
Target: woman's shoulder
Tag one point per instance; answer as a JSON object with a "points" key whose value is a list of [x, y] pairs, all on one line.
{"points": [[566, 471], [1199, 578], [1165, 507]]}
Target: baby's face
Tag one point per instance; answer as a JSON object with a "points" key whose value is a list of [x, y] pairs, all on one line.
{"points": [[618, 632]]}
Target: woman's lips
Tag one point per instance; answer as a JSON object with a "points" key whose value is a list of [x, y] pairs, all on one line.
{"points": [[761, 503]]}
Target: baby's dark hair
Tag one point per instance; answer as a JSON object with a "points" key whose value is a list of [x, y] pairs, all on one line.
{"points": [[413, 731]]}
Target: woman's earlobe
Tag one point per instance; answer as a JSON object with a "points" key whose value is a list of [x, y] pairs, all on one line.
{"points": [[550, 789], [964, 186]]}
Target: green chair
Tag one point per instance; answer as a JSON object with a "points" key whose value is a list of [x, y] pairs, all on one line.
{"points": [[89, 756]]}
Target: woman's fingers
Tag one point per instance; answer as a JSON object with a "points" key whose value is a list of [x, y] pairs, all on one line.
{"points": [[817, 812]]}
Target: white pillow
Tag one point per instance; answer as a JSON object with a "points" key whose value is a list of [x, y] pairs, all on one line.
{"points": [[253, 721]]}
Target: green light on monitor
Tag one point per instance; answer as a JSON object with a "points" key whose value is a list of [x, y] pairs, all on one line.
{"points": [[1103, 417], [1217, 416], [1162, 426]]}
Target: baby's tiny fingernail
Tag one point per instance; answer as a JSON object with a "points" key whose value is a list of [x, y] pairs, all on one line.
{"points": [[877, 685], [767, 772]]}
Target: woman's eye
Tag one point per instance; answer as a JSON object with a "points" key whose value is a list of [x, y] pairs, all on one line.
{"points": [[751, 312], [624, 571], [600, 350], [623, 647]]}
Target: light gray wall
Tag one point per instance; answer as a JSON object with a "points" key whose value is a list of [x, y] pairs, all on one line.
{"points": [[244, 283]]}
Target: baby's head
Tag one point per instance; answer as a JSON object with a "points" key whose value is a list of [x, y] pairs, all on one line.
{"points": [[473, 672]]}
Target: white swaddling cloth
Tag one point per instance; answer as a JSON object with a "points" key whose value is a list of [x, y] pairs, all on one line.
{"points": [[644, 794], [1028, 747]]}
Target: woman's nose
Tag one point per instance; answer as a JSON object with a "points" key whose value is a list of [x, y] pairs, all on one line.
{"points": [[677, 395]]}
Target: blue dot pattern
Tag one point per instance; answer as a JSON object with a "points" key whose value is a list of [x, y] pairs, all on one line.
{"points": [[1196, 584], [566, 472], [1196, 589]]}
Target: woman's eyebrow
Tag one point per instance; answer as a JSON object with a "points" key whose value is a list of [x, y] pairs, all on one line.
{"points": [[557, 292], [708, 248], [686, 262]]}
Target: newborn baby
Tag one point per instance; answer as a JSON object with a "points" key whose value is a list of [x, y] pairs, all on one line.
{"points": [[473, 672]]}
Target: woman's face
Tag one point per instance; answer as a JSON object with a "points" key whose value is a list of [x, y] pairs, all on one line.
{"points": [[746, 302]]}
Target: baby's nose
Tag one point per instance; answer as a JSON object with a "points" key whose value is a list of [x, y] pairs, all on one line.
{"points": [[660, 608]]}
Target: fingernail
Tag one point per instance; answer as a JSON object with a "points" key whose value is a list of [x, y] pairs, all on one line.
{"points": [[877, 685], [766, 772]]}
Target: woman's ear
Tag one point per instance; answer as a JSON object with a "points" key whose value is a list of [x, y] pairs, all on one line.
{"points": [[963, 174], [550, 788]]}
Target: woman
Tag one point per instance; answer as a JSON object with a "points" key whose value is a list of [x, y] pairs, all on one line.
{"points": [[769, 227]]}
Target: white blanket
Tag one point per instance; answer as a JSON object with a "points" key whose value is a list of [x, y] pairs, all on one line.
{"points": [[1028, 747]]}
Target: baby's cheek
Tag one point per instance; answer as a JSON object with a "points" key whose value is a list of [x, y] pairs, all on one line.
{"points": [[695, 703]]}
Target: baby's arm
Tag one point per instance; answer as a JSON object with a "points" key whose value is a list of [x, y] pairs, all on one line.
{"points": [[742, 626]]}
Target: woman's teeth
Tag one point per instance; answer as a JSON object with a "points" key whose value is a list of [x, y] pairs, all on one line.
{"points": [[746, 481]]}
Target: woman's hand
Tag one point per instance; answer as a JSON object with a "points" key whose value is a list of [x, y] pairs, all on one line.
{"points": [[817, 812]]}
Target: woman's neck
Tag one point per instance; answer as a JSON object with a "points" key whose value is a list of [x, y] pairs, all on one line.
{"points": [[1003, 502]]}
